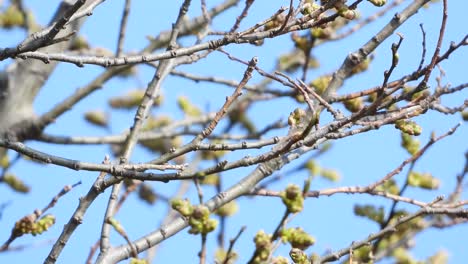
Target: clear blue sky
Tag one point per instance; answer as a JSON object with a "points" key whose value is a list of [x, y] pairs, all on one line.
{"points": [[360, 159]]}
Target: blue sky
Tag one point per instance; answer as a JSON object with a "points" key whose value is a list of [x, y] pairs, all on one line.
{"points": [[360, 159]]}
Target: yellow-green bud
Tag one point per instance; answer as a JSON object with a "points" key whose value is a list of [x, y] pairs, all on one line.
{"points": [[97, 117], [298, 256], [228, 209], [15, 183], [293, 199], [423, 180]]}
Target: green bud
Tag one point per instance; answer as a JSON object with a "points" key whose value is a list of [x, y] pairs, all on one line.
{"points": [[409, 127], [296, 117], [147, 194], [79, 43], [293, 199], [138, 261], [370, 212], [410, 143], [423, 180], [97, 117], [331, 175], [313, 167], [15, 183], [187, 107], [12, 17], [182, 206], [297, 237], [377, 2], [131, 99], [321, 83], [298, 256], [389, 186], [228, 209], [353, 105], [221, 255]]}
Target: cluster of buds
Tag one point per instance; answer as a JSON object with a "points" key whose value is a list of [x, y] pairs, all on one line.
{"points": [[321, 83], [12, 17], [262, 248], [297, 117], [423, 180], [297, 237], [198, 216], [370, 212], [409, 127], [353, 105], [410, 143], [415, 95], [30, 225], [298, 256], [389, 186], [293, 198]]}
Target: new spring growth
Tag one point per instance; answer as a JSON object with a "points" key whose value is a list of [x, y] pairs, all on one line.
{"points": [[147, 193], [15, 183], [342, 9], [354, 105], [308, 8], [314, 170], [221, 255], [370, 212], [129, 100], [200, 221], [262, 248], [12, 17], [361, 255], [187, 107], [377, 2], [410, 143], [409, 127], [293, 198], [182, 206], [138, 261], [298, 256], [402, 255], [116, 225], [228, 209], [301, 42], [297, 237], [30, 225], [389, 186], [97, 117], [423, 180], [296, 117], [321, 83], [280, 260], [212, 179], [199, 216]]}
